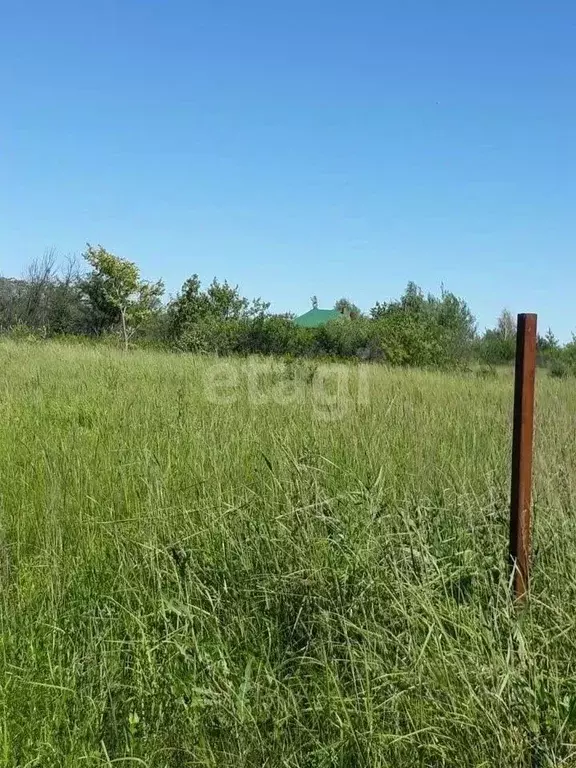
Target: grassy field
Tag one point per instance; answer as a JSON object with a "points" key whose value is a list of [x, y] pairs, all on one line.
{"points": [[239, 564]]}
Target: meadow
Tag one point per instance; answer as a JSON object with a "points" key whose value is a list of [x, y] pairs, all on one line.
{"points": [[255, 563]]}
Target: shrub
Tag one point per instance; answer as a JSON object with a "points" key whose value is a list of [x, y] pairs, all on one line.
{"points": [[559, 369]]}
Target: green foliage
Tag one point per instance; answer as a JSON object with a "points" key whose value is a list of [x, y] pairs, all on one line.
{"points": [[495, 349], [343, 338], [415, 330], [220, 310], [408, 340], [498, 345], [46, 300], [211, 334], [559, 369], [347, 307], [276, 335], [424, 330], [550, 354], [548, 343], [569, 352], [506, 325], [116, 295]]}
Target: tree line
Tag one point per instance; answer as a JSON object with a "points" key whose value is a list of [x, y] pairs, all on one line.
{"points": [[104, 296]]}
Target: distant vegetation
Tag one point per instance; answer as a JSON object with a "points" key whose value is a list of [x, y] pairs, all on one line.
{"points": [[104, 296]]}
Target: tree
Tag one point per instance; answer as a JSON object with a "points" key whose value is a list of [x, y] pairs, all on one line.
{"points": [[548, 342], [455, 323], [345, 339], [190, 306], [226, 303], [39, 279], [116, 293], [10, 301], [64, 311], [569, 352], [347, 307], [498, 345], [506, 325], [378, 311], [197, 316], [424, 330], [413, 300], [47, 299]]}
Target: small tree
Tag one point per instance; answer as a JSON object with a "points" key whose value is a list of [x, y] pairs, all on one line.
{"points": [[570, 352], [347, 307], [190, 306], [219, 303], [225, 302], [506, 325], [419, 329], [548, 343], [117, 294]]}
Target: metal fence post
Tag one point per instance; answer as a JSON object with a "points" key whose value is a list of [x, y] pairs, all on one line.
{"points": [[522, 449]]}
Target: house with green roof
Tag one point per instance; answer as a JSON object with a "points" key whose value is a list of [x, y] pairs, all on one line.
{"points": [[315, 318]]}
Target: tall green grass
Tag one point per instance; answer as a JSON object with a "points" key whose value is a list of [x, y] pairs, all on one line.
{"points": [[194, 572]]}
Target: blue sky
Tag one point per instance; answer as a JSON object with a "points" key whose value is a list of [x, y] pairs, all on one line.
{"points": [[298, 148]]}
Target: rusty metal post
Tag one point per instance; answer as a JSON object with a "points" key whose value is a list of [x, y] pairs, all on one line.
{"points": [[522, 449]]}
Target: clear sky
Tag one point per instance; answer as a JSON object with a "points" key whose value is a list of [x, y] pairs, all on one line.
{"points": [[297, 148]]}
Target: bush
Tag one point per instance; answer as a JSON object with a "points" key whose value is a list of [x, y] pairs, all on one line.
{"points": [[559, 369], [22, 332], [496, 349]]}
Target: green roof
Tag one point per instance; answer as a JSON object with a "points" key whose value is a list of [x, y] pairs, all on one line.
{"points": [[317, 317]]}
